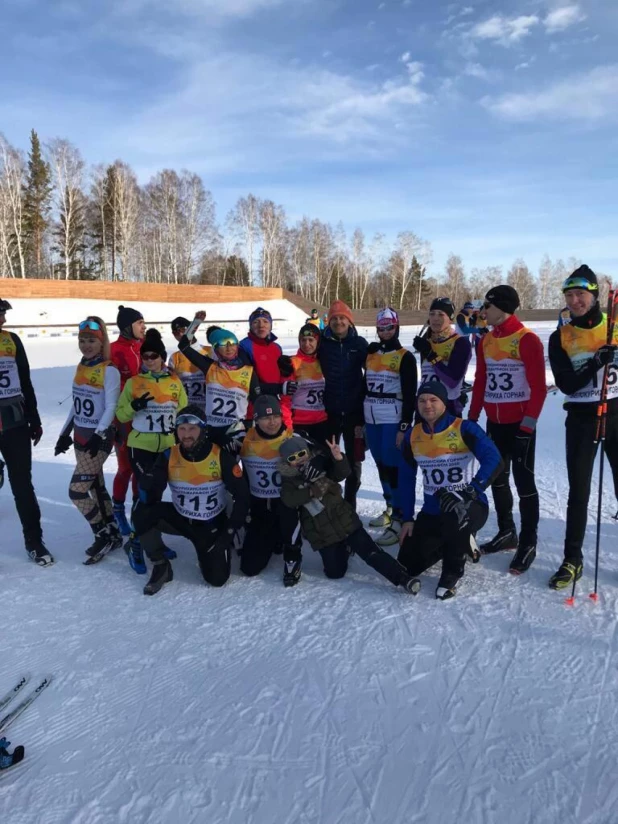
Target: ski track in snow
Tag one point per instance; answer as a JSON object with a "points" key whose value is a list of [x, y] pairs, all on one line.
{"points": [[338, 702]]}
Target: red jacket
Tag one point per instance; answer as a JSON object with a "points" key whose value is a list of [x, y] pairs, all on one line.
{"points": [[533, 357], [125, 355], [264, 355]]}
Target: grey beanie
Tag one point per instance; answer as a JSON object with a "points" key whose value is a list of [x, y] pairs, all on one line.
{"points": [[292, 445]]}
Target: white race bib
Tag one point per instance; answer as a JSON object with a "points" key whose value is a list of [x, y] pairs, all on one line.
{"points": [[428, 374], [201, 502], [88, 405], [10, 386], [225, 406], [264, 477], [591, 392], [157, 417], [309, 396], [446, 471], [195, 387], [506, 381]]}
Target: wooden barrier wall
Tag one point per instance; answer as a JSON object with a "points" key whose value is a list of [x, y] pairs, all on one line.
{"points": [[127, 292]]}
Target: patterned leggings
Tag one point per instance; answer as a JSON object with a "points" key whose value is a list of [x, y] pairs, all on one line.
{"points": [[87, 488]]}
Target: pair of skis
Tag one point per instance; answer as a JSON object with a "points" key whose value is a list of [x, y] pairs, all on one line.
{"points": [[23, 705]]}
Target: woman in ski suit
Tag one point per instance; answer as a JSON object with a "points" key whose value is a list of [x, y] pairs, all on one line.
{"points": [[96, 388]]}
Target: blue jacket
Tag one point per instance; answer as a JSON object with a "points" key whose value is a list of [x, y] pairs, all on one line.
{"points": [[342, 363], [481, 446]]}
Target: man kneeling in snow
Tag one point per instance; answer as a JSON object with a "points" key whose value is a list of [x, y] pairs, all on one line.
{"points": [[455, 505], [310, 483], [199, 474]]}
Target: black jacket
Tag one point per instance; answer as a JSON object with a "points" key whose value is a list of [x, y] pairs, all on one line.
{"points": [[342, 361], [20, 411]]}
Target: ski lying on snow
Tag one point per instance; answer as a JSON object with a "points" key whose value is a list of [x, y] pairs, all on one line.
{"points": [[23, 705], [6, 699]]}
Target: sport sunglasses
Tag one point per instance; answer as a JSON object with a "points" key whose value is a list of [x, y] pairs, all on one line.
{"points": [[90, 324], [579, 283], [150, 356], [191, 419], [302, 453], [388, 328]]}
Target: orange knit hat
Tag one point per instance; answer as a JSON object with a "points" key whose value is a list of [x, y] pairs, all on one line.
{"points": [[340, 308]]}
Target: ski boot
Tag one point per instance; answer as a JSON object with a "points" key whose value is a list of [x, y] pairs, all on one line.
{"points": [[170, 554], [136, 555], [568, 572], [100, 547], [382, 520], [39, 553], [412, 585], [523, 559], [291, 572], [162, 573], [390, 536], [447, 586], [121, 518], [503, 541], [9, 759], [115, 536]]}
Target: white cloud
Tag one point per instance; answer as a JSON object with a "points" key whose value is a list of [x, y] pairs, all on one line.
{"points": [[204, 8], [525, 65], [561, 18], [405, 57], [590, 96], [478, 71], [504, 30]]}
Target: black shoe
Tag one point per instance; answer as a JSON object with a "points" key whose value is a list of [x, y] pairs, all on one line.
{"points": [[523, 559], [500, 543], [412, 585], [115, 536], [100, 545], [569, 571], [447, 586], [291, 572], [39, 553], [162, 573]]}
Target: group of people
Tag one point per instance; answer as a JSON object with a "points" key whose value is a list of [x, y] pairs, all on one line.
{"points": [[254, 445]]}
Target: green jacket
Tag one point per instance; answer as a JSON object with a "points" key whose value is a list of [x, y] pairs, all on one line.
{"points": [[336, 519], [158, 420]]}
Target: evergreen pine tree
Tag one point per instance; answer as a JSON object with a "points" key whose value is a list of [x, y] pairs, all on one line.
{"points": [[36, 195]]}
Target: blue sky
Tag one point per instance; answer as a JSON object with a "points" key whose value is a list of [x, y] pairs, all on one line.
{"points": [[488, 128]]}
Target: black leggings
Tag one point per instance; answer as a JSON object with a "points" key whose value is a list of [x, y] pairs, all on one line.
{"points": [[438, 537], [16, 449], [503, 435], [335, 558]]}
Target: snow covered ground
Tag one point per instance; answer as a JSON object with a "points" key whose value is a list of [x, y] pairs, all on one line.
{"points": [[336, 702]]}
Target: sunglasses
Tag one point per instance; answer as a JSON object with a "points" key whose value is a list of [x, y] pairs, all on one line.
{"points": [[388, 328], [90, 324], [191, 419], [150, 356], [227, 342], [302, 453], [308, 334], [579, 283]]}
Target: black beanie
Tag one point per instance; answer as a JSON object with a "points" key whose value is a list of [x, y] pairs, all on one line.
{"points": [[584, 273], [265, 405], [154, 343], [180, 323], [504, 298], [436, 388], [443, 305], [308, 330], [127, 316]]}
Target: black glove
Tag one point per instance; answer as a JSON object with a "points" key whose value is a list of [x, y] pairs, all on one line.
{"points": [[286, 367], [63, 444], [94, 445], [224, 540], [313, 468], [521, 446], [605, 354], [457, 502], [142, 402], [289, 387], [463, 399], [423, 347], [374, 347], [36, 432]]}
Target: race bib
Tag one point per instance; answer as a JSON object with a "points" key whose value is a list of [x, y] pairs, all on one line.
{"points": [[591, 392], [88, 406], [446, 471], [506, 382], [428, 374], [157, 417], [200, 503], [195, 387], [10, 386], [309, 396], [225, 406], [264, 477]]}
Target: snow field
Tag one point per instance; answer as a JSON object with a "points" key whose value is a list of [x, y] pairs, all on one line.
{"points": [[335, 702]]}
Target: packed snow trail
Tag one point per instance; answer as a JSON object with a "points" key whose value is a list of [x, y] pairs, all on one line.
{"points": [[335, 702]]}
